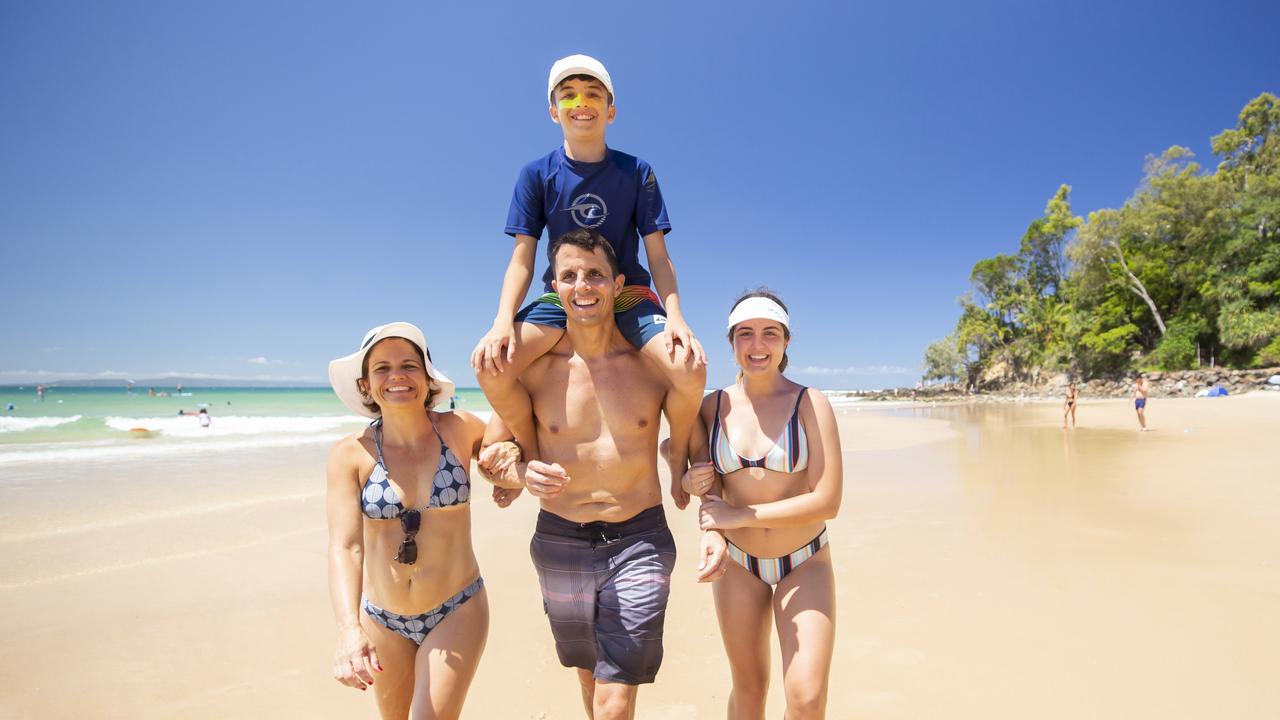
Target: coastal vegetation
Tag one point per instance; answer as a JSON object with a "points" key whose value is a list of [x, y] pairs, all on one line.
{"points": [[1185, 274]]}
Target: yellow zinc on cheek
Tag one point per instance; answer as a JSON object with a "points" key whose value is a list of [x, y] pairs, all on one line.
{"points": [[570, 103]]}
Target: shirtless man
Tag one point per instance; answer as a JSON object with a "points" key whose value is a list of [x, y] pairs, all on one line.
{"points": [[602, 549], [1140, 392]]}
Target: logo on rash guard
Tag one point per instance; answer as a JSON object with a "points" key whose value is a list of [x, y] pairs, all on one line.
{"points": [[588, 210]]}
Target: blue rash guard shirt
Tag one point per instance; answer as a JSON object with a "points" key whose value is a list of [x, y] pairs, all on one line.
{"points": [[618, 197]]}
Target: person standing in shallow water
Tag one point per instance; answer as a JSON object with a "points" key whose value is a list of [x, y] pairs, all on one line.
{"points": [[1069, 406], [1141, 390]]}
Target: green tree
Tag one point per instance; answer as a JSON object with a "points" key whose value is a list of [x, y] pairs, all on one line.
{"points": [[943, 361]]}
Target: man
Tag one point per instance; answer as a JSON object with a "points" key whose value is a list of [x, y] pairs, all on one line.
{"points": [[1140, 392], [602, 549]]}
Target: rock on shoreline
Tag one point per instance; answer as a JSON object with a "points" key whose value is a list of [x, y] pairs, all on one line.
{"points": [[1184, 383]]}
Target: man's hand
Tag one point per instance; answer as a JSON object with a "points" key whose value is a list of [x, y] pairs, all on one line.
{"points": [[543, 480], [716, 514], [713, 557], [679, 496], [498, 346], [677, 333], [698, 479]]}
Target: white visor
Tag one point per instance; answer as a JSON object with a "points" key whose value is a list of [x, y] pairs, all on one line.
{"points": [[759, 308]]}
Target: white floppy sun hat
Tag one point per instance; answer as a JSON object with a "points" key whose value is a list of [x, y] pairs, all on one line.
{"points": [[344, 371]]}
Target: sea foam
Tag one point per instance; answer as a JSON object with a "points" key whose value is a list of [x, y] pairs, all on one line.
{"points": [[18, 424], [188, 426]]}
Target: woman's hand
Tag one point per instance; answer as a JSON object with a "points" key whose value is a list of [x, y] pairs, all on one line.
{"points": [[356, 660], [503, 497], [498, 464], [698, 479], [716, 514]]}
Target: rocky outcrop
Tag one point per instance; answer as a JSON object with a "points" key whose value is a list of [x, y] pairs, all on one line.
{"points": [[1163, 384]]}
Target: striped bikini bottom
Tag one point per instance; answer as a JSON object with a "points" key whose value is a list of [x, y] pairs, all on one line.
{"points": [[772, 570]]}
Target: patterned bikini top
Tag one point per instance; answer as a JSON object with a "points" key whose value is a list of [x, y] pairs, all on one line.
{"points": [[789, 454], [382, 501]]}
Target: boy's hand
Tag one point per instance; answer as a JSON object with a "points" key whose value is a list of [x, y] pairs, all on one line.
{"points": [[496, 347], [679, 334]]}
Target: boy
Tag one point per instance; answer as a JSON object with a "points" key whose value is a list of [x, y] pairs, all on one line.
{"points": [[586, 184]]}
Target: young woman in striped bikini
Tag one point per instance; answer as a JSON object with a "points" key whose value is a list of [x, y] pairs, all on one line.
{"points": [[770, 477]]}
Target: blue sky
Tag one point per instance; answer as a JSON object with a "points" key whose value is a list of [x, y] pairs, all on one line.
{"points": [[242, 189]]}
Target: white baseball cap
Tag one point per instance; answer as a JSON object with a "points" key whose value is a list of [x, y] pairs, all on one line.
{"points": [[344, 371], [578, 65]]}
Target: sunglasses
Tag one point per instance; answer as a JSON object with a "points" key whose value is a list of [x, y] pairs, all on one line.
{"points": [[410, 521]]}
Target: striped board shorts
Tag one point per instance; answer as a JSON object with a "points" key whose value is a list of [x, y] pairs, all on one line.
{"points": [[604, 589]]}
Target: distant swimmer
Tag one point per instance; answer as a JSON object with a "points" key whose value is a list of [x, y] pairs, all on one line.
{"points": [[40, 392], [10, 408], [1069, 406], [202, 415], [1140, 392]]}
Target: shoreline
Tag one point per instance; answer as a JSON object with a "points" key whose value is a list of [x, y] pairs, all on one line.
{"points": [[976, 543]]}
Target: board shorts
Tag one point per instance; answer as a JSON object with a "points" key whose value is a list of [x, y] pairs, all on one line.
{"points": [[636, 310], [1139, 403], [604, 589]]}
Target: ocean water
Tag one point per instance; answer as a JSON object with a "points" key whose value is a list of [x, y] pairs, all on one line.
{"points": [[104, 423]]}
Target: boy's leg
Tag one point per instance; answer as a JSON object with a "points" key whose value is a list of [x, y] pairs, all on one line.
{"points": [[507, 395]]}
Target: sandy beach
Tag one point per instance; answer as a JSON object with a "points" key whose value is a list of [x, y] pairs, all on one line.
{"points": [[990, 565]]}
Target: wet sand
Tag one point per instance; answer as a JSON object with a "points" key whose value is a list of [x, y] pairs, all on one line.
{"points": [[990, 565]]}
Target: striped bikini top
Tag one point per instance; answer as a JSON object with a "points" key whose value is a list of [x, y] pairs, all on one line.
{"points": [[379, 498], [789, 454]]}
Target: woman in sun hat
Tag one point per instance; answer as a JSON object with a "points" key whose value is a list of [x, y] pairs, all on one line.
{"points": [[406, 590], [770, 477]]}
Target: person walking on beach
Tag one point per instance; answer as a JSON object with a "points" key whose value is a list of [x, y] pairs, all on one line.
{"points": [[1069, 406], [403, 580], [770, 475], [601, 548], [586, 184], [1140, 391]]}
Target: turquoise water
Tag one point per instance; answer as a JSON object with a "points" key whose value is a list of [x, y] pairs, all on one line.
{"points": [[80, 414]]}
